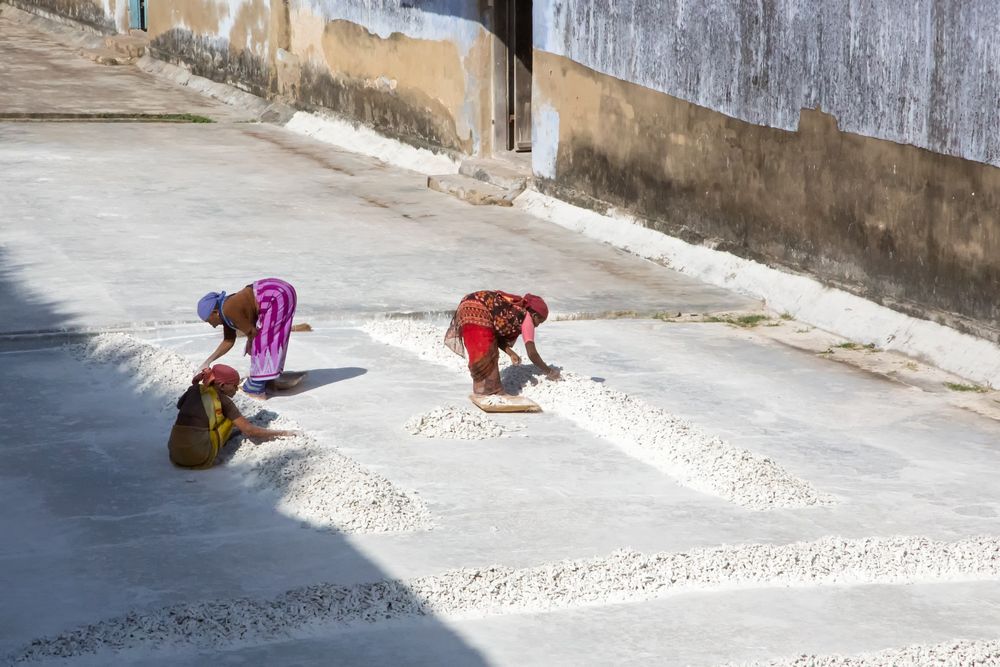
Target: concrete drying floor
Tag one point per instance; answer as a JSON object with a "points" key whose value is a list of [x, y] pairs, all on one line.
{"points": [[124, 226]]}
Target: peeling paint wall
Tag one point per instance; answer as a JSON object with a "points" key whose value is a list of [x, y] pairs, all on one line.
{"points": [[98, 14], [402, 70], [921, 72], [852, 141], [419, 71], [223, 40]]}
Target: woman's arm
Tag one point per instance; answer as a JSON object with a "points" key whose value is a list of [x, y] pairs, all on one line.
{"points": [[224, 346], [536, 359], [515, 358], [257, 432], [250, 336]]}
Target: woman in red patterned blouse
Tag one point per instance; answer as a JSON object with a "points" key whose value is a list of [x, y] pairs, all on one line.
{"points": [[488, 321]]}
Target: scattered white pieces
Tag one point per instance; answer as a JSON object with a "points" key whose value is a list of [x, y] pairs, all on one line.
{"points": [[623, 576], [495, 400], [680, 449], [315, 482], [457, 423], [957, 653]]}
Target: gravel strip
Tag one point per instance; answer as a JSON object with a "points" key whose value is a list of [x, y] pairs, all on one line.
{"points": [[316, 483], [956, 653], [694, 458], [624, 576]]}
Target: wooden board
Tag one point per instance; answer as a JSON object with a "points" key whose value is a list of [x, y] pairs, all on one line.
{"points": [[289, 379], [510, 404]]}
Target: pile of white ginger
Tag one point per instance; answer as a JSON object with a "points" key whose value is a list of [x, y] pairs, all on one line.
{"points": [[622, 576], [684, 451], [457, 423], [315, 482]]}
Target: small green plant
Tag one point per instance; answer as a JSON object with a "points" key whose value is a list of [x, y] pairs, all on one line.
{"points": [[957, 386], [911, 366], [749, 321], [744, 321], [803, 330], [849, 345], [787, 316], [181, 118]]}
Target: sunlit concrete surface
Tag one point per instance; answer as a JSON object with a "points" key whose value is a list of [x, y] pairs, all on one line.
{"points": [[124, 226]]}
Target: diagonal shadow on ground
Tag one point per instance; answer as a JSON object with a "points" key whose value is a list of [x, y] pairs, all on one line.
{"points": [[106, 526]]}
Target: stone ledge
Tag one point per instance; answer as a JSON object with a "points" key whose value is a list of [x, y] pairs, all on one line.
{"points": [[471, 190]]}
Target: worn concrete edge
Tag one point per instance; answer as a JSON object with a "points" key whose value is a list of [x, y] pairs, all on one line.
{"points": [[804, 298], [274, 112]]}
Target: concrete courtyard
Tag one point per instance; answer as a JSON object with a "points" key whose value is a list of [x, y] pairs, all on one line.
{"points": [[513, 554]]}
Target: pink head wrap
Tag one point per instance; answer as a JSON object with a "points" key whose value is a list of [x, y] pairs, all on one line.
{"points": [[536, 305], [217, 374]]}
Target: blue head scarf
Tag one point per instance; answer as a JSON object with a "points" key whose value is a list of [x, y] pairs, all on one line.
{"points": [[210, 302]]}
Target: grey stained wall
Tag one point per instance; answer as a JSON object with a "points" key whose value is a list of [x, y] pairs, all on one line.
{"points": [[921, 72]]}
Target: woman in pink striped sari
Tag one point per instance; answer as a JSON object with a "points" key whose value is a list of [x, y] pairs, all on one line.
{"points": [[263, 311]]}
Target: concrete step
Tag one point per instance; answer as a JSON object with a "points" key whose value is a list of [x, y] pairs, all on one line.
{"points": [[131, 45], [472, 190], [500, 173], [106, 56]]}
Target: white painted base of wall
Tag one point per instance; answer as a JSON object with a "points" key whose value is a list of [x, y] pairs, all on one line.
{"points": [[806, 299], [360, 139]]}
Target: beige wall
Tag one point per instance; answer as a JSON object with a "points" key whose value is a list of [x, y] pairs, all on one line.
{"points": [[911, 228], [425, 91]]}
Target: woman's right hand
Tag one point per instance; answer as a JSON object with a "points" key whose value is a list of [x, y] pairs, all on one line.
{"points": [[553, 374]]}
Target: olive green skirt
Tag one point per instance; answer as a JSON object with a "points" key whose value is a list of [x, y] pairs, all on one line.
{"points": [[192, 447]]}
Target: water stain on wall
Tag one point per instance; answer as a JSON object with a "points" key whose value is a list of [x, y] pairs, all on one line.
{"points": [[902, 225], [88, 12], [413, 89], [197, 17]]}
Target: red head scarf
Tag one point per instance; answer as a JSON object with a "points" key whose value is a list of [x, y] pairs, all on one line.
{"points": [[217, 374], [536, 305]]}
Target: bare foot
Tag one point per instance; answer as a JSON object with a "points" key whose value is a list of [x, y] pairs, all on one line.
{"points": [[258, 397], [304, 326]]}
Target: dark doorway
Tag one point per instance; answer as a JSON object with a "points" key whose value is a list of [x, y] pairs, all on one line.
{"points": [[513, 75], [519, 68]]}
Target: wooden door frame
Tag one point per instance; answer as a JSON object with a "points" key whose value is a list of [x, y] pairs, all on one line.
{"points": [[503, 50], [501, 112]]}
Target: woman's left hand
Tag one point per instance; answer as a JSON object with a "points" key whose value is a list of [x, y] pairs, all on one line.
{"points": [[250, 336], [514, 358]]}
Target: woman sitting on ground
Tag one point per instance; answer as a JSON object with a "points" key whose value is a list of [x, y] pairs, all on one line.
{"points": [[206, 416], [488, 321]]}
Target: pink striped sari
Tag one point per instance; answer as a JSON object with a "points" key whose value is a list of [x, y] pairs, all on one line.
{"points": [[276, 300]]}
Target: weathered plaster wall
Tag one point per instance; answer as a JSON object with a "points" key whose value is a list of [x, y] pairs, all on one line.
{"points": [[905, 226], [417, 71], [402, 70], [102, 15], [223, 40], [690, 113], [921, 72]]}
